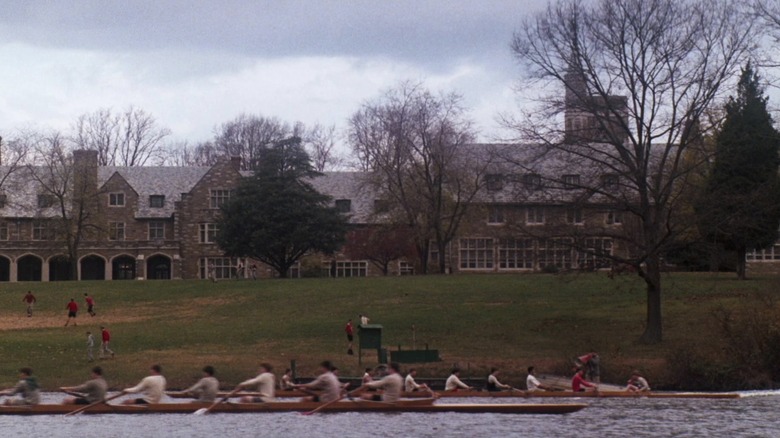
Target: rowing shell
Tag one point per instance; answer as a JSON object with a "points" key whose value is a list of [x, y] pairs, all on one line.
{"points": [[523, 394], [420, 405]]}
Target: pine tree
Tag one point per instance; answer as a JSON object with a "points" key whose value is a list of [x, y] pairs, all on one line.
{"points": [[741, 205]]}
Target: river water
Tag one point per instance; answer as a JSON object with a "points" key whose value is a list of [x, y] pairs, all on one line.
{"points": [[757, 415]]}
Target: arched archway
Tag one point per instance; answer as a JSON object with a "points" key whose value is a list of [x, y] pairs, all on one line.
{"points": [[93, 268], [29, 268], [123, 268], [5, 269], [60, 269], [158, 267]]}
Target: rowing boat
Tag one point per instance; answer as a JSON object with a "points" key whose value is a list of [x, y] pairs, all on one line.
{"points": [[522, 394], [419, 405]]}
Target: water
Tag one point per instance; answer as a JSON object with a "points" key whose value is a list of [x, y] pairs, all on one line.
{"points": [[754, 416]]}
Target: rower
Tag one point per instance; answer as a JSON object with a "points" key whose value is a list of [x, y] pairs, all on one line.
{"points": [[409, 383], [492, 382], [94, 389], [286, 382], [578, 382], [392, 384], [265, 383], [637, 383], [454, 383], [532, 383], [152, 386], [27, 388], [207, 388], [326, 384]]}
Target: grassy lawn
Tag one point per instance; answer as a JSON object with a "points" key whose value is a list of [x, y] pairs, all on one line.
{"points": [[476, 321]]}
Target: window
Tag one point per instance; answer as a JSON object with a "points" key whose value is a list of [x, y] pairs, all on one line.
{"points": [[116, 199], [610, 182], [516, 254], [3, 230], [555, 253], [595, 253], [532, 181], [45, 201], [219, 197], [495, 215], [41, 231], [476, 253], [157, 201], [571, 181], [494, 182], [405, 268], [381, 206], [574, 216], [208, 233], [614, 218], [216, 268], [534, 215], [116, 231], [351, 269], [156, 230], [343, 205], [3, 199]]}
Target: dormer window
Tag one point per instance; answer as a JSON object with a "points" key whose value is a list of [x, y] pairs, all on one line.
{"points": [[610, 182], [571, 181], [116, 199], [45, 201], [343, 205], [532, 181], [157, 201], [494, 182]]}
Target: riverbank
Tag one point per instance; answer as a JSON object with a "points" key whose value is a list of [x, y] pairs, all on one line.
{"points": [[475, 321]]}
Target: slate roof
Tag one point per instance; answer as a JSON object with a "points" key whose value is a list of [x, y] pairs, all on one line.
{"points": [[146, 181], [352, 186]]}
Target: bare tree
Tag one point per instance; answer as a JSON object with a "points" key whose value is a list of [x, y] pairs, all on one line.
{"points": [[638, 75], [129, 138], [321, 144], [414, 144], [183, 154], [246, 135]]}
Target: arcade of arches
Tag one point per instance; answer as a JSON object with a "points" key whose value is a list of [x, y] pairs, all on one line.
{"points": [[31, 267]]}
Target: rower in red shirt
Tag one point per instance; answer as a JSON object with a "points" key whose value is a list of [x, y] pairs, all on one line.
{"points": [[578, 382]]}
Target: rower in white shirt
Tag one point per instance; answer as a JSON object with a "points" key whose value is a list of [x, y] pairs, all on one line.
{"points": [[454, 383]]}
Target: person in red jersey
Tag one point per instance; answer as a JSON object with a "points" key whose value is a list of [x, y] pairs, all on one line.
{"points": [[29, 298], [578, 382], [106, 338], [90, 304], [73, 309], [350, 331]]}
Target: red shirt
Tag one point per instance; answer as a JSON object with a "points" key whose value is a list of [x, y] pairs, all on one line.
{"points": [[348, 329], [577, 382], [106, 335], [29, 298], [90, 301], [73, 307]]}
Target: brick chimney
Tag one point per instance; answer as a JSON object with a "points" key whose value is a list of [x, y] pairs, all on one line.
{"points": [[235, 163]]}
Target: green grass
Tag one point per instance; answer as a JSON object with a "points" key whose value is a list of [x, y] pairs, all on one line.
{"points": [[477, 321]]}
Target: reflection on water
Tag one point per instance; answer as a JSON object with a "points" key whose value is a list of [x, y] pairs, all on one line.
{"points": [[755, 416]]}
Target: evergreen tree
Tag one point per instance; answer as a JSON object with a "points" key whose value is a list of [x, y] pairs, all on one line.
{"points": [[741, 205], [276, 216]]}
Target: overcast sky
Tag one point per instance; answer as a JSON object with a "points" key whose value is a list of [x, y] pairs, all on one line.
{"points": [[197, 64]]}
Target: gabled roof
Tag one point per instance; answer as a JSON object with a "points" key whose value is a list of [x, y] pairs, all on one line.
{"points": [[170, 182], [352, 186]]}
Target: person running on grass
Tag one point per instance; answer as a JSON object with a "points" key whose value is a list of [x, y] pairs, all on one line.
{"points": [[73, 309], [29, 298], [152, 387], [90, 304], [94, 389], [105, 336]]}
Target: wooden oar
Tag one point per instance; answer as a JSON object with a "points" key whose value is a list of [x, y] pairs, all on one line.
{"points": [[319, 408], [204, 411], [92, 405]]}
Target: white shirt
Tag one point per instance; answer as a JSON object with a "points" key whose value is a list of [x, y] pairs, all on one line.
{"points": [[532, 383], [153, 388], [90, 340], [494, 381], [363, 320], [410, 384], [329, 384], [453, 383], [265, 383], [392, 384]]}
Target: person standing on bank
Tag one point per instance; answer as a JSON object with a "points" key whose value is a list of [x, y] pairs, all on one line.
{"points": [[29, 298], [90, 347], [350, 331], [73, 309]]}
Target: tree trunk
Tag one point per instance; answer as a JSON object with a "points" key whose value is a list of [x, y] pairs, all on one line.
{"points": [[442, 257], [741, 263], [652, 275]]}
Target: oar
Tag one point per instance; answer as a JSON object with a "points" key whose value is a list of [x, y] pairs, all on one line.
{"points": [[92, 405], [204, 411], [321, 407]]}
